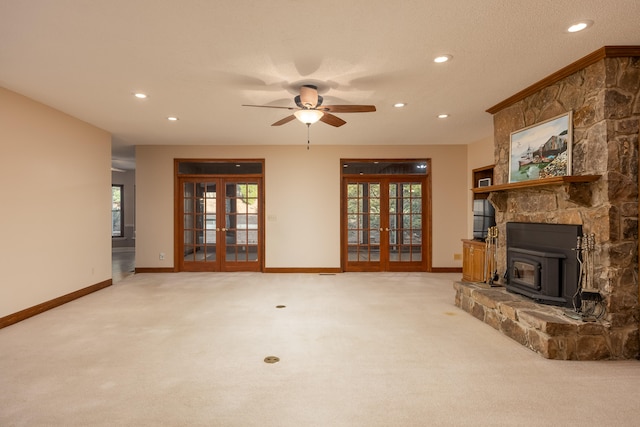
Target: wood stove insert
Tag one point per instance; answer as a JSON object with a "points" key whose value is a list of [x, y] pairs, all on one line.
{"points": [[542, 263]]}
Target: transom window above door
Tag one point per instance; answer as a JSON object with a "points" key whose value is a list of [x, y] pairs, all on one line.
{"points": [[393, 167], [212, 167]]}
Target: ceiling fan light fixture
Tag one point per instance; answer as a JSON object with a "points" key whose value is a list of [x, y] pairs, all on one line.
{"points": [[308, 117]]}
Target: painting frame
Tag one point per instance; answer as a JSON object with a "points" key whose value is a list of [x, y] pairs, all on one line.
{"points": [[542, 150]]}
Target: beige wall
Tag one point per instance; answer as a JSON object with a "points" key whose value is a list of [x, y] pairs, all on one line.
{"points": [[302, 199], [55, 173], [480, 154]]}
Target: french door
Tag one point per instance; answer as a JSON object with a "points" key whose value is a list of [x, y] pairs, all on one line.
{"points": [[384, 224], [219, 224]]}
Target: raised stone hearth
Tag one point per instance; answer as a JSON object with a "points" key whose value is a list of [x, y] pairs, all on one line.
{"points": [[545, 329]]}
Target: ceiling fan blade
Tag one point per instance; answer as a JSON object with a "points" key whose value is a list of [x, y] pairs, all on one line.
{"points": [[332, 120], [269, 106], [309, 96], [348, 108], [284, 121]]}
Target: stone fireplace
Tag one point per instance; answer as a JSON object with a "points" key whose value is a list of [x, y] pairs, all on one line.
{"points": [[603, 92]]}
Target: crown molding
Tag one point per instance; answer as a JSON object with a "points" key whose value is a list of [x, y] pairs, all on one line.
{"points": [[592, 58]]}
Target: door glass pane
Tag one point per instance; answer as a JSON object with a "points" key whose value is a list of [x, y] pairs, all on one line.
{"points": [[375, 221], [199, 236], [231, 253], [188, 222], [200, 254], [188, 206], [211, 252], [210, 226], [188, 189], [252, 253]]}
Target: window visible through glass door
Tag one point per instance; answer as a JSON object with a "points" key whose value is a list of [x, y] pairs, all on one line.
{"points": [[117, 220]]}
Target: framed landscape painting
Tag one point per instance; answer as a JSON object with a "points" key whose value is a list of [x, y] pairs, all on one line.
{"points": [[542, 150]]}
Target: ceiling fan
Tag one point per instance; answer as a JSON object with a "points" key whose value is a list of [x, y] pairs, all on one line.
{"points": [[310, 109]]}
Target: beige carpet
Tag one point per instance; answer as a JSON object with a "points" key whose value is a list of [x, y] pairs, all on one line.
{"points": [[356, 349]]}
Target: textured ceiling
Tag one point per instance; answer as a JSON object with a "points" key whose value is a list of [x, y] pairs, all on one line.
{"points": [[201, 60]]}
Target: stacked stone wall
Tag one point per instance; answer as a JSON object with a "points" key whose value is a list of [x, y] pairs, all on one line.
{"points": [[604, 99]]}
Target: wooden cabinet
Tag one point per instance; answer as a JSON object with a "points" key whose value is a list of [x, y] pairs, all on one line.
{"points": [[473, 251], [473, 260]]}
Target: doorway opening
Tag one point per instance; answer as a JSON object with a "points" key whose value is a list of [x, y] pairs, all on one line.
{"points": [[386, 215], [219, 215]]}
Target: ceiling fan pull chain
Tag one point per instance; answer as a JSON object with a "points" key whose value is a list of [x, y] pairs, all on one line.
{"points": [[308, 127]]}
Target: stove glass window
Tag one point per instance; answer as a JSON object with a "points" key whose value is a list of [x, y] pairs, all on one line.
{"points": [[524, 273]]}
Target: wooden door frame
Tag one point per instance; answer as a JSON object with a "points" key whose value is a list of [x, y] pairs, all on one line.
{"points": [[427, 207], [177, 220]]}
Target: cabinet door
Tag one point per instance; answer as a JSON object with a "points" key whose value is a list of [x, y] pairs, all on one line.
{"points": [[478, 263], [467, 261]]}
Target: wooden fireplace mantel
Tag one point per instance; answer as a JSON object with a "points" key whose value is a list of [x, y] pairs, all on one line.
{"points": [[556, 180]]}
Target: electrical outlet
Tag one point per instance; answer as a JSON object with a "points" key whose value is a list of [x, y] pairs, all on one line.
{"points": [[457, 257], [161, 256]]}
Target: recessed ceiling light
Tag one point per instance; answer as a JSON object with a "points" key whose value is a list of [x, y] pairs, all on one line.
{"points": [[399, 104], [442, 58], [140, 95], [579, 26], [172, 119], [443, 116]]}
